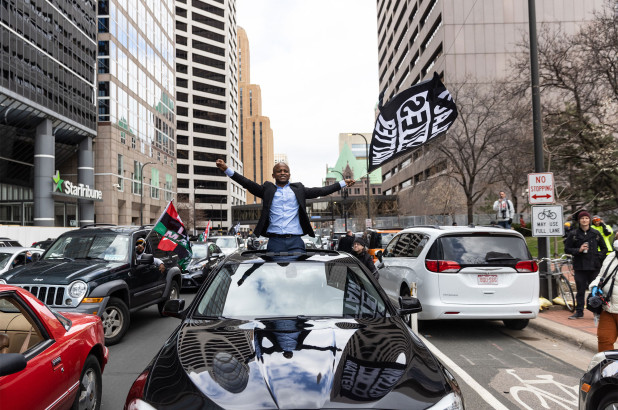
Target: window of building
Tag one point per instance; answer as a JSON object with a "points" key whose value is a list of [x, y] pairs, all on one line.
{"points": [[169, 186], [154, 183], [120, 171]]}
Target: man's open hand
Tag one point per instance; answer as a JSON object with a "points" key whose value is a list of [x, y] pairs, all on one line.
{"points": [[221, 165], [349, 182]]}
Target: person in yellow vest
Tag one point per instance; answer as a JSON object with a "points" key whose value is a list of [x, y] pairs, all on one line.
{"points": [[605, 231]]}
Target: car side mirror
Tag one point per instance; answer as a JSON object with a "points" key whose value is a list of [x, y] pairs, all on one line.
{"points": [[174, 308], [409, 305], [12, 363], [380, 256], [146, 259]]}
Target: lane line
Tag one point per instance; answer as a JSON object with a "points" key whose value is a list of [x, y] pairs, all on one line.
{"points": [[495, 358], [497, 347], [468, 360], [522, 358], [484, 393]]}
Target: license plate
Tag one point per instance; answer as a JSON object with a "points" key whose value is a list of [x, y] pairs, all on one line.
{"points": [[488, 279]]}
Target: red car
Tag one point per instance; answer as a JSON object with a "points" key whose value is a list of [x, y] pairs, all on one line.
{"points": [[48, 360]]}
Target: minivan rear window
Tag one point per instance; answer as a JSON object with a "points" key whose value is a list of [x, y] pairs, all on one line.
{"points": [[475, 250]]}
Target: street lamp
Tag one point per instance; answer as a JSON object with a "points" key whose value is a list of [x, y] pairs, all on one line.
{"points": [[344, 194], [194, 211], [221, 212], [141, 197], [368, 187]]}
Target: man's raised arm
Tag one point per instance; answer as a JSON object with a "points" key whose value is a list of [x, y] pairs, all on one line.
{"points": [[255, 189]]}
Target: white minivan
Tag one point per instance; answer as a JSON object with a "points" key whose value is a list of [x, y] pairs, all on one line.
{"points": [[463, 272]]}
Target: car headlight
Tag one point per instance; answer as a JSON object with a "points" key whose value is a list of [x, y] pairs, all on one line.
{"points": [[451, 401], [596, 359], [2, 282], [78, 289], [199, 266]]}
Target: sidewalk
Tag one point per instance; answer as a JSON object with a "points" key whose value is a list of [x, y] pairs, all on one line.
{"points": [[555, 321]]}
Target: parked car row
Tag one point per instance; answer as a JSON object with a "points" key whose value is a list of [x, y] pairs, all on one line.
{"points": [[312, 317]]}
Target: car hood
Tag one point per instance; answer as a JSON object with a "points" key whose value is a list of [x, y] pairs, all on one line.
{"points": [[291, 363], [60, 272]]}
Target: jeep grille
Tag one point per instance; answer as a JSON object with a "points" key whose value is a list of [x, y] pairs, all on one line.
{"points": [[48, 294]]}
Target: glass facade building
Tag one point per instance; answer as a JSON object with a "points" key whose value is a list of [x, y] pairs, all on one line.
{"points": [[48, 110], [135, 151]]}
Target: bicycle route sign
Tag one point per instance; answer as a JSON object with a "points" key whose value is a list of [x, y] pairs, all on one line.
{"points": [[547, 220], [541, 188]]}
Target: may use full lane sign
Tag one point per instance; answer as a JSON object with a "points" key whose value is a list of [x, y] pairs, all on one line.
{"points": [[547, 220]]}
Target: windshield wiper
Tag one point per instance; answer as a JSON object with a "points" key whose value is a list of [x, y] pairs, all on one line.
{"points": [[91, 258], [61, 257]]}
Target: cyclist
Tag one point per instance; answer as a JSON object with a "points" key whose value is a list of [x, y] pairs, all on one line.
{"points": [[605, 231], [588, 250]]}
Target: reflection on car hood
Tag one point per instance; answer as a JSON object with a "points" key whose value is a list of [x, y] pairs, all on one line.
{"points": [[290, 363], [59, 272]]}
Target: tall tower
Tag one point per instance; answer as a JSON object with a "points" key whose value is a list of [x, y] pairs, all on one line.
{"points": [[207, 123], [135, 149], [256, 136]]}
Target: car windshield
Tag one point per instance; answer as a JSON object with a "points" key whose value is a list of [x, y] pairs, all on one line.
{"points": [[4, 258], [475, 250], [385, 238], [109, 246], [225, 242], [199, 251], [291, 289]]}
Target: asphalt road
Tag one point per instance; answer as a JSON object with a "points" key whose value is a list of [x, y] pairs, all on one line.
{"points": [[497, 368], [130, 357]]}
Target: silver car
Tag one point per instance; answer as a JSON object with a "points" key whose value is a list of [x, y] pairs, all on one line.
{"points": [[13, 256]]}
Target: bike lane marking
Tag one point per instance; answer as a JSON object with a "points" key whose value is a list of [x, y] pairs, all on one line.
{"points": [[480, 390]]}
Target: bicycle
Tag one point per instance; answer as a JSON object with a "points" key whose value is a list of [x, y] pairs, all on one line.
{"points": [[547, 213], [557, 269]]}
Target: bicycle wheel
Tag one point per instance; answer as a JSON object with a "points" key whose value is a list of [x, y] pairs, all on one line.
{"points": [[566, 292]]}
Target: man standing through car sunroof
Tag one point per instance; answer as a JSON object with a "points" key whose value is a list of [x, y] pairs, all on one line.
{"points": [[283, 219]]}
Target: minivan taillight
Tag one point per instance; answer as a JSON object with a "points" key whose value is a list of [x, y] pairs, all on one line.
{"points": [[526, 266], [442, 266]]}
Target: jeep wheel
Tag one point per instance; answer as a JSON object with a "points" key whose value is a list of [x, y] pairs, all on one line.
{"points": [[116, 321], [174, 294]]}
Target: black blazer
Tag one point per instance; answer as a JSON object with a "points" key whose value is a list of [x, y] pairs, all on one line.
{"points": [[267, 191]]}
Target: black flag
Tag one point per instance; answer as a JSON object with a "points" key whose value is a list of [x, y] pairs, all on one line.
{"points": [[410, 119]]}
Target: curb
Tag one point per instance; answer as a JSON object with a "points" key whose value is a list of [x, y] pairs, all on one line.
{"points": [[583, 340]]}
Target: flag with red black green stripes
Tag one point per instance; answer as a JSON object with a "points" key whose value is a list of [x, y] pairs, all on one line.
{"points": [[175, 237]]}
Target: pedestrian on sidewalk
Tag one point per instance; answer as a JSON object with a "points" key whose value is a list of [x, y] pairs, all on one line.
{"points": [[504, 210], [359, 249], [606, 232], [607, 329], [588, 250]]}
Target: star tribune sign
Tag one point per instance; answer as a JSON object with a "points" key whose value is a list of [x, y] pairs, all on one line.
{"points": [[82, 191]]}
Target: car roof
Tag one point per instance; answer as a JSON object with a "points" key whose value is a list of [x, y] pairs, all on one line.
{"points": [[321, 255], [13, 249], [446, 230], [123, 229]]}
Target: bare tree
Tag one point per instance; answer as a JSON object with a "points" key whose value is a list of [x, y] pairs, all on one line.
{"points": [[579, 83], [478, 140]]}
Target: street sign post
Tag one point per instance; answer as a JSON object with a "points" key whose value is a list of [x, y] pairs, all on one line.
{"points": [[547, 220], [541, 188]]}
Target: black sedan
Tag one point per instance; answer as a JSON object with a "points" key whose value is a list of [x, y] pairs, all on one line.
{"points": [[305, 331], [598, 388], [206, 256]]}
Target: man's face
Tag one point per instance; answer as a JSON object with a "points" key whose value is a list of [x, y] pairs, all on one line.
{"points": [[584, 221], [281, 173], [139, 248], [596, 221], [502, 195], [357, 247]]}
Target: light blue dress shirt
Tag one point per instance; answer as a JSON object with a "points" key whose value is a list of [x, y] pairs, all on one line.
{"points": [[283, 210]]}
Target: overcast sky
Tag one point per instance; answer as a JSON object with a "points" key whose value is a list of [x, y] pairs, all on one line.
{"points": [[317, 65]]}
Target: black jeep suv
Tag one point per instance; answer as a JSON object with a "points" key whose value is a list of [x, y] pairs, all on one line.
{"points": [[95, 270]]}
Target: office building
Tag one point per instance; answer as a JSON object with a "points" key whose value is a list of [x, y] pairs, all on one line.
{"points": [[256, 136], [48, 113], [135, 150], [207, 116]]}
